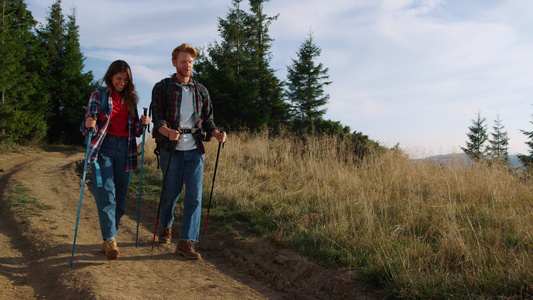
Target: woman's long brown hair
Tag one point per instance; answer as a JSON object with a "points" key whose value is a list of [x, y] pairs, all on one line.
{"points": [[128, 93]]}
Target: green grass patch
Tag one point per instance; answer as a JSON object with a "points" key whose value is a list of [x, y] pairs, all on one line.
{"points": [[25, 205], [151, 185]]}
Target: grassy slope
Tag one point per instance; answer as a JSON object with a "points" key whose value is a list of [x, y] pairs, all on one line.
{"points": [[418, 230]]}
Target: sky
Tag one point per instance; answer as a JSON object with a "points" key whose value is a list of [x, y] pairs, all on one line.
{"points": [[408, 72]]}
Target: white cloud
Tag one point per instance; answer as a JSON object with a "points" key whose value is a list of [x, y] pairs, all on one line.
{"points": [[149, 75]]}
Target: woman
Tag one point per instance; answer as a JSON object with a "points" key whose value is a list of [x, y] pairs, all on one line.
{"points": [[113, 150]]}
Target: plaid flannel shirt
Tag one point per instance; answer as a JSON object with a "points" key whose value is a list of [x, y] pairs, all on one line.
{"points": [[102, 125], [166, 103]]}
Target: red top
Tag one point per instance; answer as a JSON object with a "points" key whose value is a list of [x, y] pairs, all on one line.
{"points": [[118, 125]]}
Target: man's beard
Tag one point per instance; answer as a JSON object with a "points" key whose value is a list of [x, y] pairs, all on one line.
{"points": [[184, 73]]}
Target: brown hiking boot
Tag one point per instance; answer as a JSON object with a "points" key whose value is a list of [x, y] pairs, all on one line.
{"points": [[111, 250], [186, 248], [165, 236]]}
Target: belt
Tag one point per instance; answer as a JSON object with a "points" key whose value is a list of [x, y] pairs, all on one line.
{"points": [[189, 130]]}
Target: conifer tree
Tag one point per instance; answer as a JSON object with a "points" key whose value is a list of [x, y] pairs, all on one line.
{"points": [[237, 72], [475, 146], [22, 112], [78, 84], [499, 143], [306, 81], [527, 160], [271, 99], [64, 79], [51, 37]]}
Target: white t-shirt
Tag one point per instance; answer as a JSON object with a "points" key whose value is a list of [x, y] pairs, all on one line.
{"points": [[186, 141]]}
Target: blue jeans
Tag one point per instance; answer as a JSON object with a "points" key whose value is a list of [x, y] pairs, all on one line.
{"points": [[185, 167], [111, 197]]}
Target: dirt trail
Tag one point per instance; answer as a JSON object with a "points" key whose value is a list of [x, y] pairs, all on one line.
{"points": [[36, 249]]}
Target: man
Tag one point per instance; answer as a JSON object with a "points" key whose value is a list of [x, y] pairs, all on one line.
{"points": [[182, 114]]}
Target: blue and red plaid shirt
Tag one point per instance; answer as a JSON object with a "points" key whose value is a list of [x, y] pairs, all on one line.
{"points": [[102, 125], [166, 103]]}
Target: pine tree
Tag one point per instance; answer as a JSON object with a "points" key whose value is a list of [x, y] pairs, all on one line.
{"points": [[236, 71], [52, 40], [79, 84], [527, 160], [237, 103], [477, 137], [499, 143], [306, 81], [22, 112], [64, 79], [271, 99]]}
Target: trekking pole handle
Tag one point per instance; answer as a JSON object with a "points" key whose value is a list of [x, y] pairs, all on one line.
{"points": [[222, 131], [145, 113], [93, 115]]}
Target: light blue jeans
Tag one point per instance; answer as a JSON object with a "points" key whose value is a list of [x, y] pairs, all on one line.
{"points": [[186, 167], [111, 197]]}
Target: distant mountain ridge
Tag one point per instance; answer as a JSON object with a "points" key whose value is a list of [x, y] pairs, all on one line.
{"points": [[461, 157]]}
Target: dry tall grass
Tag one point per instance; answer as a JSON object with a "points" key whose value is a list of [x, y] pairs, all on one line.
{"points": [[420, 229]]}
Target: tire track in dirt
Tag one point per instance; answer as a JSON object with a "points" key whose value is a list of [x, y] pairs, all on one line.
{"points": [[34, 231], [14, 266]]}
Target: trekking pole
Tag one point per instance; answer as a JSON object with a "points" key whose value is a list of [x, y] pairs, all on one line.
{"points": [[212, 186], [140, 183], [93, 115], [162, 191]]}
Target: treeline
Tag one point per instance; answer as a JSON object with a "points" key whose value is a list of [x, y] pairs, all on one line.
{"points": [[44, 89], [42, 84]]}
